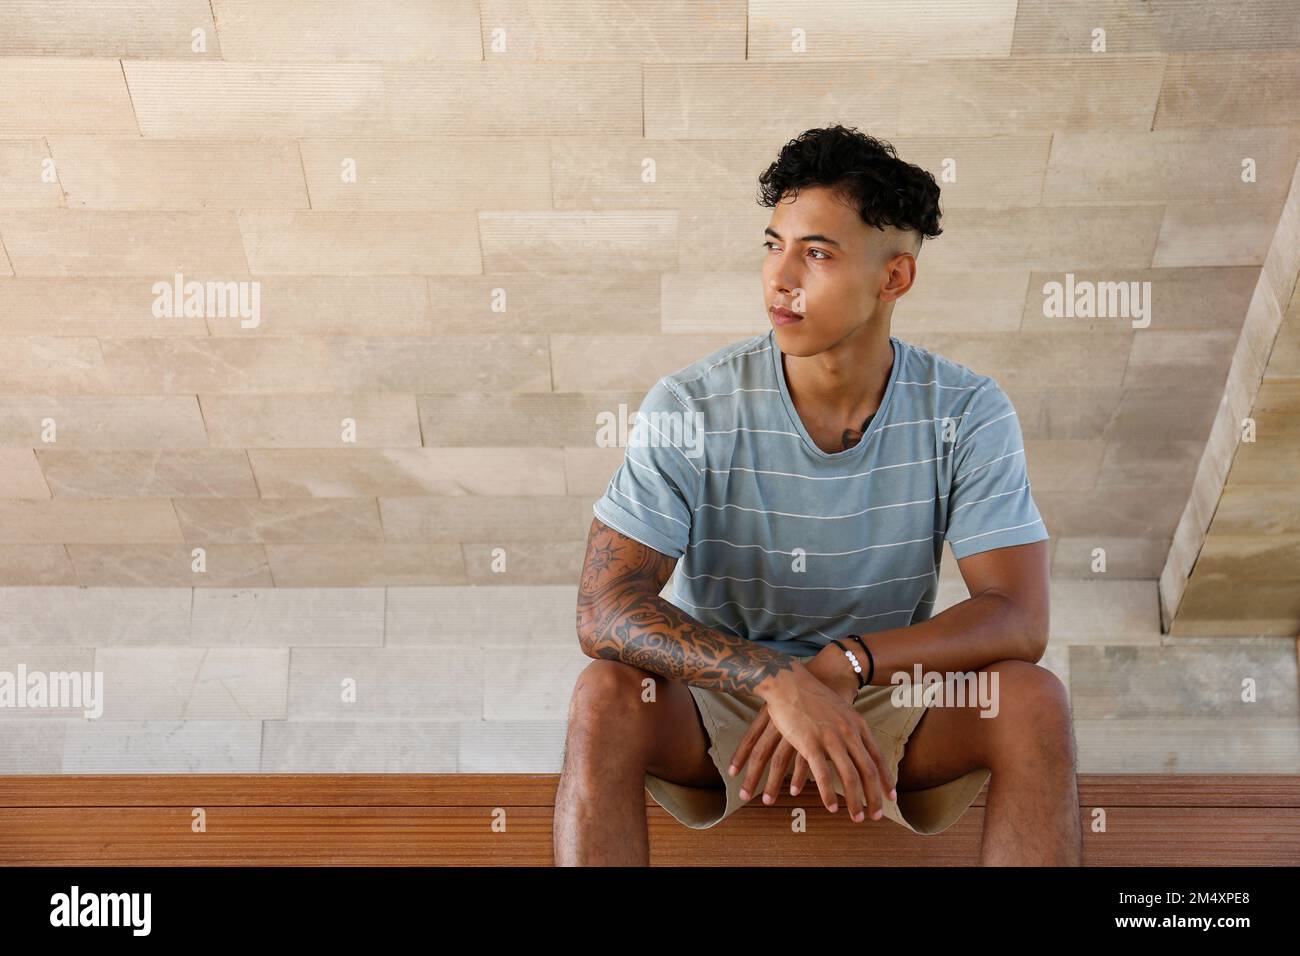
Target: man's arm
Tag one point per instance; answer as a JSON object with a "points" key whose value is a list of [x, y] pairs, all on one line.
{"points": [[621, 617], [1005, 618]]}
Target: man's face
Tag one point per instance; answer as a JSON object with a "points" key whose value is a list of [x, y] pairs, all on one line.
{"points": [[822, 262]]}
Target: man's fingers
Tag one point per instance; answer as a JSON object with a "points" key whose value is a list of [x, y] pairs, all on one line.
{"points": [[755, 731], [869, 773], [776, 770], [758, 759], [822, 774], [800, 775], [848, 771]]}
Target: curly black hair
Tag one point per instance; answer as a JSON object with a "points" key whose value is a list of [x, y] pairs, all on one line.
{"points": [[885, 190]]}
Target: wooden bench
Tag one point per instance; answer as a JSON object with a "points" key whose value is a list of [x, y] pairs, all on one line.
{"points": [[446, 819]]}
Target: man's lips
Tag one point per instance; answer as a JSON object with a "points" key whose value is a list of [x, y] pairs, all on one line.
{"points": [[784, 316]]}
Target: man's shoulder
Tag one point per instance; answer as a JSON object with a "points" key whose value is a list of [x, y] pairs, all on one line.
{"points": [[950, 383], [725, 368]]}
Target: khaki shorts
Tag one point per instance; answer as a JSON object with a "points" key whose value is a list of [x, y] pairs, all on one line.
{"points": [[726, 719]]}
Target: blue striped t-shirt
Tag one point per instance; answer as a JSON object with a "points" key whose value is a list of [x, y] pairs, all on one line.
{"points": [[779, 541]]}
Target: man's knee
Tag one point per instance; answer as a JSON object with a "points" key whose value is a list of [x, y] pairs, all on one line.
{"points": [[607, 698], [1033, 706]]}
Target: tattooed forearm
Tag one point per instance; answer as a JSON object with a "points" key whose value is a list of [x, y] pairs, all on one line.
{"points": [[621, 617]]}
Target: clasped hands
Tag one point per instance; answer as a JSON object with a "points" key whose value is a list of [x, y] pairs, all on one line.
{"points": [[808, 714]]}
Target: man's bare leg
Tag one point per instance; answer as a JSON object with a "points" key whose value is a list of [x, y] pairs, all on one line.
{"points": [[1032, 814], [614, 739]]}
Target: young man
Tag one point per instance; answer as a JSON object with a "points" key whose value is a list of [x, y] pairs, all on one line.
{"points": [[803, 526]]}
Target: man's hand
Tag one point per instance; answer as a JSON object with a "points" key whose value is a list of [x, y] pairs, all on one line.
{"points": [[808, 714]]}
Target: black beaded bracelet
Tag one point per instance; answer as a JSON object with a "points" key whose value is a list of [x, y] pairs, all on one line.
{"points": [[871, 660], [857, 668]]}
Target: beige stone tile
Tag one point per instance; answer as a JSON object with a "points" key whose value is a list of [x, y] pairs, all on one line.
{"points": [[103, 173], [1049, 237], [998, 169], [1282, 262], [466, 617], [44, 95], [361, 746], [1250, 558], [103, 521], [1037, 359], [1163, 413], [182, 99], [1114, 167], [30, 565], [75, 305], [407, 683], [84, 242], [612, 362], [382, 419], [86, 28], [1188, 745], [1063, 464], [523, 518], [103, 421], [698, 100], [193, 683], [28, 179], [634, 172], [529, 682], [540, 419], [526, 99], [145, 565], [675, 30], [1137, 511], [48, 661], [1246, 88], [621, 303], [334, 305], [1201, 298], [1151, 463], [20, 475], [516, 563], [340, 364], [288, 617], [339, 31], [848, 30], [1256, 510], [1217, 234], [1216, 604], [1065, 27], [162, 746], [208, 521], [149, 473], [399, 472], [511, 746], [462, 176], [95, 617], [52, 365], [34, 746], [569, 242], [359, 242], [1171, 359], [1147, 682], [1140, 558], [1105, 612], [587, 471], [1079, 411], [365, 564]]}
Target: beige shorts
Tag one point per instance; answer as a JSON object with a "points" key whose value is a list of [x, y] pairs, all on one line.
{"points": [[727, 717]]}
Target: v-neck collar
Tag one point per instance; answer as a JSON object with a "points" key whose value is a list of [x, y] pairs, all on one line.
{"points": [[877, 417]]}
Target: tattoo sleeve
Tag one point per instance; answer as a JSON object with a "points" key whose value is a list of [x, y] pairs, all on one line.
{"points": [[621, 617]]}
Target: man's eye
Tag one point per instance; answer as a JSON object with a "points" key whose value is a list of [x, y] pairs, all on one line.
{"points": [[820, 253], [769, 245]]}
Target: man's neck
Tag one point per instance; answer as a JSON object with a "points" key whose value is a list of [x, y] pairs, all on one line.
{"points": [[845, 383]]}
